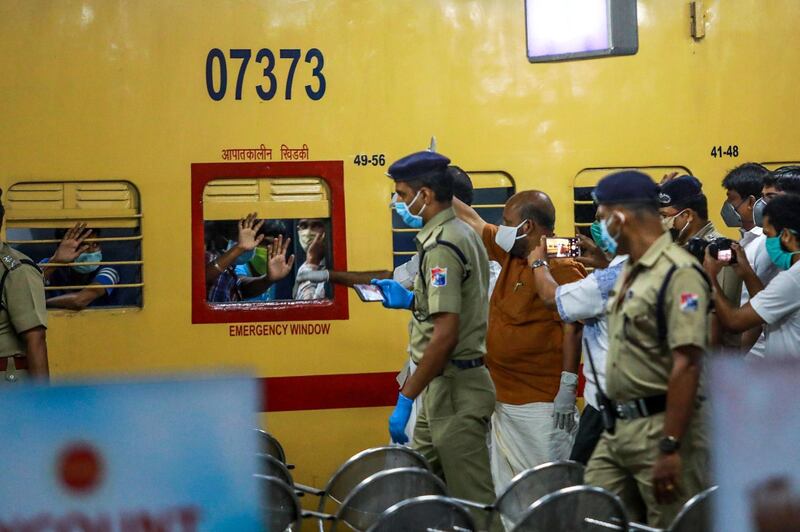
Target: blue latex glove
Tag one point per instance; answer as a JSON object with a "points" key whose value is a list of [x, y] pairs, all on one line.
{"points": [[399, 419], [395, 295]]}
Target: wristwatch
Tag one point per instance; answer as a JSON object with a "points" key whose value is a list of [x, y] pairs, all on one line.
{"points": [[539, 262], [669, 444]]}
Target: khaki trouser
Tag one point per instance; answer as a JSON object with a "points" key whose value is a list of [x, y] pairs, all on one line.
{"points": [[12, 374], [623, 464], [452, 431]]}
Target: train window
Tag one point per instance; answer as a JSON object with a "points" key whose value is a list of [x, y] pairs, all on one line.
{"points": [[491, 190], [584, 208], [258, 284], [41, 221]]}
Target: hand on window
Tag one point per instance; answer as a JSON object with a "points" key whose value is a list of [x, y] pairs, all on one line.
{"points": [[73, 244], [316, 250], [248, 232], [278, 267]]}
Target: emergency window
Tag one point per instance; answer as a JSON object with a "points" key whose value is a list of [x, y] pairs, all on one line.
{"points": [[584, 208], [294, 209], [108, 271], [491, 191]]}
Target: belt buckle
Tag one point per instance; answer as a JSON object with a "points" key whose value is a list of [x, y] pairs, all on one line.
{"points": [[626, 411]]}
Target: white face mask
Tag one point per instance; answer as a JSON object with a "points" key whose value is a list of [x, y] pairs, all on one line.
{"points": [[305, 237], [506, 236]]}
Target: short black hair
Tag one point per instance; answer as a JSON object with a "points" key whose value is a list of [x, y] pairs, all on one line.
{"points": [[273, 228], [746, 179], [784, 212], [785, 179], [441, 183], [462, 184], [698, 204]]}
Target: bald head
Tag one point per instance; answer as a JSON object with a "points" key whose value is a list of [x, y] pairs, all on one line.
{"points": [[533, 205]]}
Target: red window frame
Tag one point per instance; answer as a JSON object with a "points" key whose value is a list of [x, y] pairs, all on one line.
{"points": [[332, 172]]}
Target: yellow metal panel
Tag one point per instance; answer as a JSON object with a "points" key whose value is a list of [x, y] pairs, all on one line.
{"points": [[484, 179], [125, 96]]}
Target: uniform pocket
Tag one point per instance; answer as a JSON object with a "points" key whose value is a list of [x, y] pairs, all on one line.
{"points": [[473, 392], [640, 324]]}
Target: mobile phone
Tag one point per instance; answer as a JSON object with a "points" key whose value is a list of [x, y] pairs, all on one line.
{"points": [[724, 255], [563, 247], [368, 293]]}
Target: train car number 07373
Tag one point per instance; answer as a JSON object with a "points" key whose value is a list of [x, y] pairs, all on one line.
{"points": [[217, 67]]}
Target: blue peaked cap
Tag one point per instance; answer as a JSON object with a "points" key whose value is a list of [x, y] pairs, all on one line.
{"points": [[418, 165], [629, 186]]}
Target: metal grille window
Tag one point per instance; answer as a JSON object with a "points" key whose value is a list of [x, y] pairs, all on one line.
{"points": [[287, 206], [37, 215], [492, 190], [584, 208]]}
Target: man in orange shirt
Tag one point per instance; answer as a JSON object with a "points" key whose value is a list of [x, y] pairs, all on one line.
{"points": [[532, 356]]}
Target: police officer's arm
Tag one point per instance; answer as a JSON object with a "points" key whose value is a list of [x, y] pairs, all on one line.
{"points": [[444, 273], [437, 353], [36, 351], [686, 309], [469, 215], [24, 299]]}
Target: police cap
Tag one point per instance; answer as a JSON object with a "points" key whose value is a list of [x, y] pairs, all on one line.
{"points": [[680, 190], [629, 186], [418, 165]]}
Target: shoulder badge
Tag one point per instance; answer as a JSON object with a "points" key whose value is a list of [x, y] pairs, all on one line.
{"points": [[438, 277], [689, 302], [9, 262]]}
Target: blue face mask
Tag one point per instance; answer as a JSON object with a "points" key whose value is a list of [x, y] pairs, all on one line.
{"points": [[414, 221], [597, 235], [95, 256], [608, 243], [782, 259], [245, 257]]}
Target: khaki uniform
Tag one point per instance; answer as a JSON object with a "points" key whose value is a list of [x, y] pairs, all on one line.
{"points": [[639, 366], [23, 308], [453, 424]]}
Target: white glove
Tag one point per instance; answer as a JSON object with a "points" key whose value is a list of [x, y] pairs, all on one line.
{"points": [[315, 276], [564, 403]]}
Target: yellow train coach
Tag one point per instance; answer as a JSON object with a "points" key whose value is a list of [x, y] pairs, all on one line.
{"points": [[154, 120]]}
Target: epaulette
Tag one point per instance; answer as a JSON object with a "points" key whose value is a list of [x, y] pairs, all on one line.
{"points": [[9, 262]]}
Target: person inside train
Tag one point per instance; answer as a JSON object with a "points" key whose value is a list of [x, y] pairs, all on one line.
{"points": [[77, 245], [532, 356], [311, 236], [223, 254], [743, 187], [257, 265], [783, 180], [775, 306]]}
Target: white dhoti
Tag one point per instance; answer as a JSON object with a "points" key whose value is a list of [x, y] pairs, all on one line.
{"points": [[523, 437]]}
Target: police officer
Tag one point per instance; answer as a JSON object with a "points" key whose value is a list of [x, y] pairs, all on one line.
{"points": [[684, 209], [448, 331], [655, 457], [23, 316]]}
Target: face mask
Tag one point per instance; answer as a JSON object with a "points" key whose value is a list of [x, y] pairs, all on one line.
{"points": [[730, 215], [305, 237], [782, 259], [244, 258], [610, 242], [95, 256], [669, 224], [758, 212], [259, 260], [506, 236], [597, 235], [414, 221]]}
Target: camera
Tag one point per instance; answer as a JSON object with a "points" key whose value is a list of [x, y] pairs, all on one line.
{"points": [[719, 248]]}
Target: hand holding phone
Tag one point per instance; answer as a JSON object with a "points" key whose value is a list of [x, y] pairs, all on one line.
{"points": [[368, 293], [563, 247]]}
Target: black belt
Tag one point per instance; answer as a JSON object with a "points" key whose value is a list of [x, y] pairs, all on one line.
{"points": [[644, 407], [468, 364]]}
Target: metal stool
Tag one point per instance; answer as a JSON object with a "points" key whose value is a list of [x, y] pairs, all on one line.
{"points": [[577, 509], [425, 513]]}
